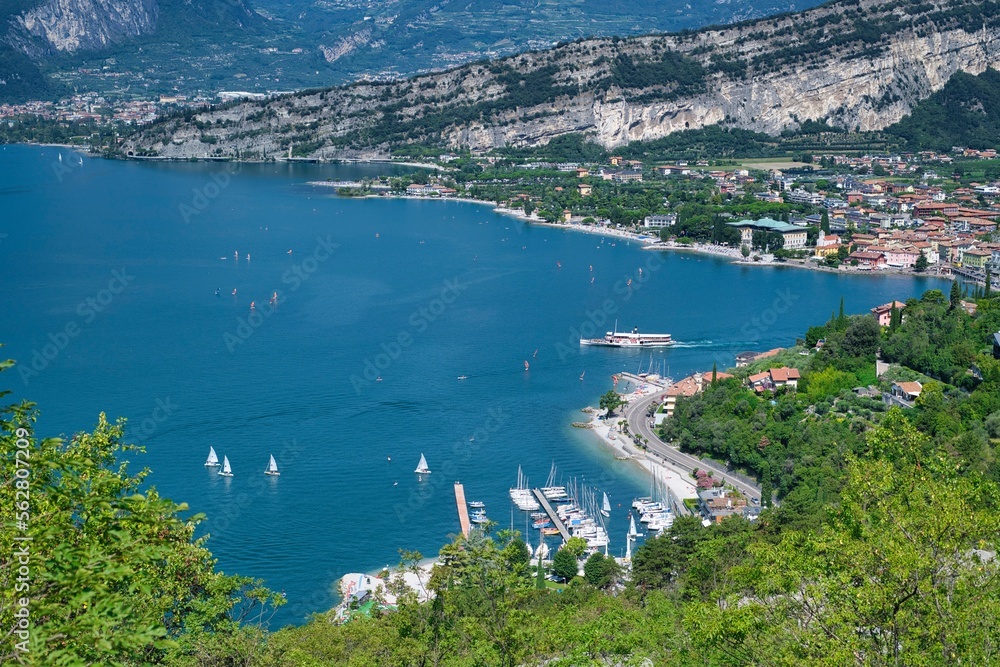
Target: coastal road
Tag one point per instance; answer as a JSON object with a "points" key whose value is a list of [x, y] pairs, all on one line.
{"points": [[635, 415]]}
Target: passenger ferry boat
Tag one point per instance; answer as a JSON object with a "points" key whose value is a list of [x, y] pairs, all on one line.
{"points": [[633, 339]]}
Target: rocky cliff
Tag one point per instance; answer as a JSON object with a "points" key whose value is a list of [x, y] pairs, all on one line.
{"points": [[858, 64], [80, 25]]}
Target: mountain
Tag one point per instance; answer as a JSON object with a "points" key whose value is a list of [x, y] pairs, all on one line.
{"points": [[966, 112], [856, 64], [58, 36], [20, 78], [389, 39], [130, 47], [46, 27]]}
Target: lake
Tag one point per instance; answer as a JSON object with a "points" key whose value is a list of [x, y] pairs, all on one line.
{"points": [[128, 289]]}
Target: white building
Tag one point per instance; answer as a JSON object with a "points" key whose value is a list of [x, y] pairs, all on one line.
{"points": [[660, 220]]}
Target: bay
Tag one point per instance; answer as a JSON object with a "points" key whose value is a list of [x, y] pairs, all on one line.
{"points": [[110, 270]]}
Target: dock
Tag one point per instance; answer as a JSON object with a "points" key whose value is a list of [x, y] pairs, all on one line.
{"points": [[637, 380], [463, 509], [556, 521]]}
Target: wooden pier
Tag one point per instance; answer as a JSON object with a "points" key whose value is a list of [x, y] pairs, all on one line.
{"points": [[463, 509], [556, 521]]}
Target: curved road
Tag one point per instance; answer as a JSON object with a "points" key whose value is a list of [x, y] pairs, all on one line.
{"points": [[635, 414]]}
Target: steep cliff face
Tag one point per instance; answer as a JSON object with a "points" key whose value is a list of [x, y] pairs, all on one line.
{"points": [[857, 64], [80, 25]]}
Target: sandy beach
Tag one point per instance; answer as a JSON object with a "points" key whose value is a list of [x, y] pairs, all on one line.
{"points": [[679, 481]]}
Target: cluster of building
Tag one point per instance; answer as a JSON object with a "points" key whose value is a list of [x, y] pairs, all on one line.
{"points": [[689, 386], [429, 190], [884, 225], [99, 109]]}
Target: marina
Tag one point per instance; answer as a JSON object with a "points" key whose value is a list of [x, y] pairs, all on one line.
{"points": [[557, 522]]}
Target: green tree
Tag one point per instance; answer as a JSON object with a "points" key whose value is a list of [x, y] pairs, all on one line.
{"points": [[539, 574], [564, 565], [955, 297], [115, 574], [661, 560], [576, 546], [516, 555], [611, 401], [600, 572], [766, 491], [745, 251], [902, 572], [921, 264], [895, 318], [824, 222], [862, 337]]}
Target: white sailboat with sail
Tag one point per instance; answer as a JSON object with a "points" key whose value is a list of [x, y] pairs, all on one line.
{"points": [[632, 532], [422, 468], [226, 470], [606, 506], [272, 467], [213, 458]]}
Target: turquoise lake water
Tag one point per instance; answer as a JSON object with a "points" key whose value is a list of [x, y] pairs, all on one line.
{"points": [[110, 270]]}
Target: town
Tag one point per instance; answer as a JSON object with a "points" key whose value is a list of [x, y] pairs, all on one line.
{"points": [[922, 212]]}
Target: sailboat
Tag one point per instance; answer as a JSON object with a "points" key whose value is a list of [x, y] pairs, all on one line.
{"points": [[628, 550], [213, 459], [526, 365], [272, 467], [422, 468], [606, 506], [226, 470], [581, 375], [632, 532]]}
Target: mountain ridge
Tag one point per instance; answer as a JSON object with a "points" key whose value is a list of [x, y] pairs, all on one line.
{"points": [[197, 47], [857, 64]]}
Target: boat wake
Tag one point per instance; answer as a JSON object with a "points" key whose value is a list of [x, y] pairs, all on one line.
{"points": [[719, 345], [693, 343]]}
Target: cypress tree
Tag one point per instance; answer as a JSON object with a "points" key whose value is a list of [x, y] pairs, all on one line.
{"points": [[765, 493], [956, 294], [989, 279], [714, 371]]}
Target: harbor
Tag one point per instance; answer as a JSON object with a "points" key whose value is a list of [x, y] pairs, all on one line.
{"points": [[553, 515]]}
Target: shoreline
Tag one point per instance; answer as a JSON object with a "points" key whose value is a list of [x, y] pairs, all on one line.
{"points": [[649, 242], [678, 481]]}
